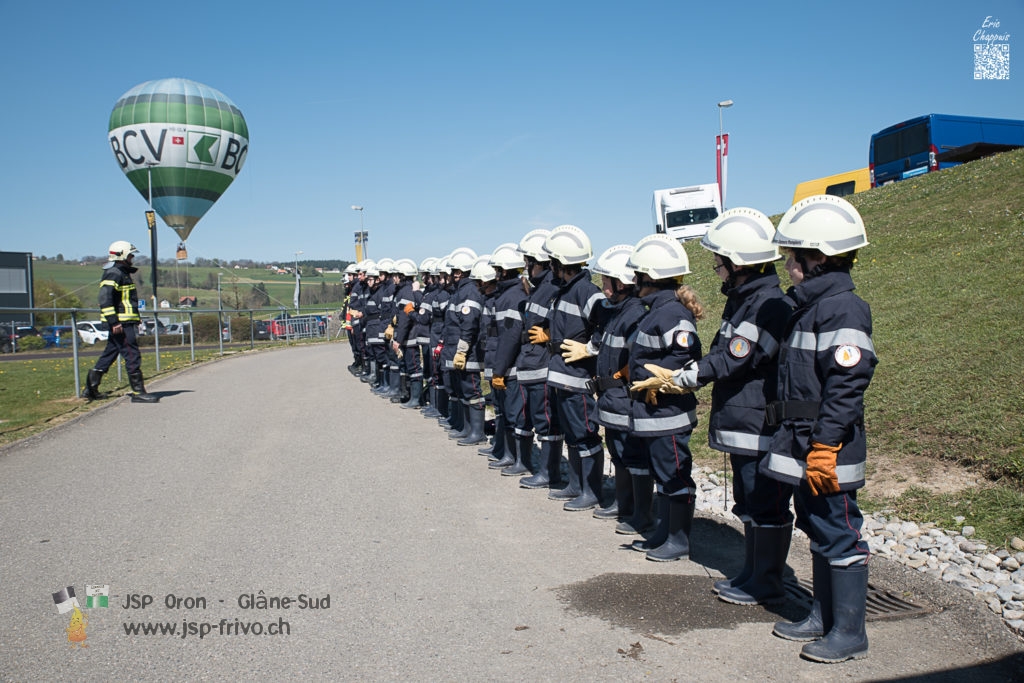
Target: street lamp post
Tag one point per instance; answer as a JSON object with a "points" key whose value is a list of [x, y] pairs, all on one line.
{"points": [[54, 298], [361, 237], [721, 153]]}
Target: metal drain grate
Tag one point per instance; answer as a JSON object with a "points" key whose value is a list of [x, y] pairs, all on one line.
{"points": [[881, 605]]}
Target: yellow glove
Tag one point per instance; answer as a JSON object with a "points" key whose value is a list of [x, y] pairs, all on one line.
{"points": [[498, 383], [573, 350], [389, 332], [660, 381], [538, 335], [821, 469], [459, 362]]}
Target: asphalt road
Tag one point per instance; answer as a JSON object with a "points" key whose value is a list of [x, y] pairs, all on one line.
{"points": [[404, 556]]}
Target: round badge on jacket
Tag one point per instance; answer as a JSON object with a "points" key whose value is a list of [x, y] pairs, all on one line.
{"points": [[847, 355], [683, 339], [739, 347], [465, 310]]}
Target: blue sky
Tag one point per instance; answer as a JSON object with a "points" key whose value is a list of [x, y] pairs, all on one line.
{"points": [[470, 123]]}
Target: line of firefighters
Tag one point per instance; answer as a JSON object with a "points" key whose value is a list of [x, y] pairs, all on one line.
{"points": [[564, 357]]}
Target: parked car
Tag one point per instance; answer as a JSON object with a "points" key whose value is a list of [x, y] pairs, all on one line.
{"points": [[146, 326], [25, 331], [92, 331], [260, 330], [57, 335], [179, 329]]}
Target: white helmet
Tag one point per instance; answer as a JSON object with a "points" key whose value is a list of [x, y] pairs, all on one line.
{"points": [[361, 266], [386, 265], [823, 222], [351, 269], [742, 235], [120, 250], [532, 245], [405, 267], [568, 245], [462, 259], [614, 262], [427, 266], [370, 266], [483, 270], [507, 257], [442, 265], [659, 256]]}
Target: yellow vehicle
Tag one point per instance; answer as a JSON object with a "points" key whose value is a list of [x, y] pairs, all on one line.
{"points": [[839, 185]]}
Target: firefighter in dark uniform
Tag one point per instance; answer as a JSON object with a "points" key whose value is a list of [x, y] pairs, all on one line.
{"points": [[509, 304], [453, 419], [464, 309], [666, 337], [619, 316], [569, 377], [404, 343], [532, 363], [421, 330], [389, 287], [119, 306], [438, 307], [743, 364], [486, 278], [357, 306], [374, 327], [353, 320], [826, 362]]}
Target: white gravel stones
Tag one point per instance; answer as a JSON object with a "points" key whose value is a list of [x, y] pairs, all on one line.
{"points": [[994, 575]]}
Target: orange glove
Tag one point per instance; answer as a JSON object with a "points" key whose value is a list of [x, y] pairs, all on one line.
{"points": [[623, 373], [538, 335], [498, 383], [409, 308], [821, 469]]}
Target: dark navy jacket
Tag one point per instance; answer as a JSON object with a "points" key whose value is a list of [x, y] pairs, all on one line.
{"points": [[405, 327], [462, 324], [422, 315], [666, 336], [827, 360], [532, 362], [374, 322], [508, 312], [743, 363], [619, 327], [569, 318], [487, 343]]}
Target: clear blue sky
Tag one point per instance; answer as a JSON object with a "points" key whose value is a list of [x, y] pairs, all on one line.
{"points": [[470, 123]]}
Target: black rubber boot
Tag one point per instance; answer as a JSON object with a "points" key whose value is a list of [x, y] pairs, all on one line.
{"points": [[475, 419], [643, 497], [380, 380], [431, 409], [403, 390], [370, 374], [504, 451], [460, 428], [848, 638], [415, 394], [549, 474], [572, 489], [622, 506], [393, 385], [660, 527], [764, 587], [356, 368], [495, 450], [440, 403], [591, 477], [748, 564], [680, 520], [819, 621], [139, 394], [92, 385], [524, 455]]}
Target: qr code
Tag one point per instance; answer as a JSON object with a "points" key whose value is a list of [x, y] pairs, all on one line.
{"points": [[992, 61]]}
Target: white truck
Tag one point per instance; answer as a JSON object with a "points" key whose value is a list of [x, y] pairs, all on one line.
{"points": [[686, 212]]}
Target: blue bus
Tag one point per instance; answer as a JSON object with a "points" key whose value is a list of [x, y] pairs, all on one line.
{"points": [[936, 141]]}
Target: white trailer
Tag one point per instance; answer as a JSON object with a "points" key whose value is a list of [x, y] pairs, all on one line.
{"points": [[686, 212]]}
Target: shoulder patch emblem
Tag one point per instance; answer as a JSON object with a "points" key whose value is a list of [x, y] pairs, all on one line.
{"points": [[739, 347], [465, 310], [683, 339], [847, 355]]}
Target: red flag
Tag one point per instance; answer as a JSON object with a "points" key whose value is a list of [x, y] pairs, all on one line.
{"points": [[177, 140]]}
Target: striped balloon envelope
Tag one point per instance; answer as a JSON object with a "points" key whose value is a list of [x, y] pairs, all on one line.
{"points": [[186, 138]]}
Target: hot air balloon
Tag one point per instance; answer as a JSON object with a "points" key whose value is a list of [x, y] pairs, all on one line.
{"points": [[192, 140]]}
